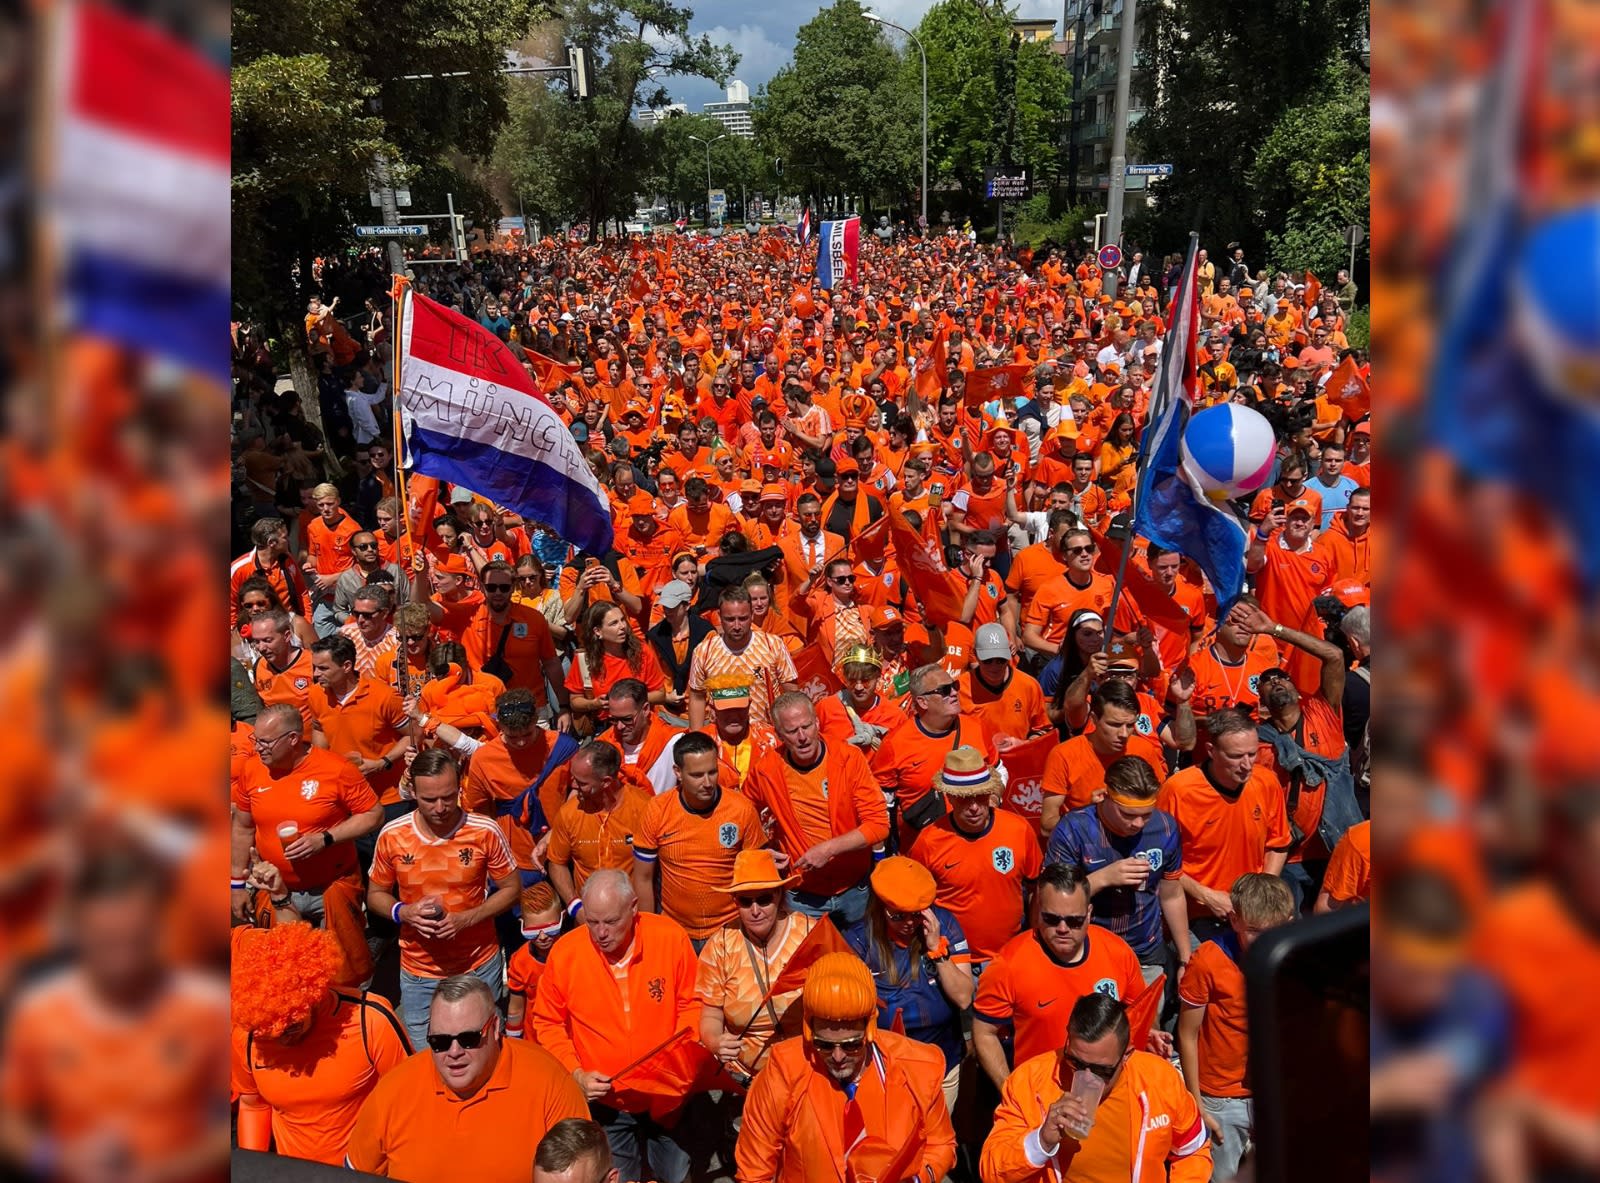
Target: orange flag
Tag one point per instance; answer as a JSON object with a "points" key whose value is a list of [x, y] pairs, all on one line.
{"points": [[1148, 596], [1348, 390], [422, 507], [1313, 291], [638, 286], [933, 374], [820, 941], [550, 372], [1024, 795], [869, 542], [941, 592], [1002, 382], [1142, 1011], [670, 1075], [816, 677]]}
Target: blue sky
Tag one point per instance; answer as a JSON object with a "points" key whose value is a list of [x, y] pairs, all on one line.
{"points": [[764, 37]]}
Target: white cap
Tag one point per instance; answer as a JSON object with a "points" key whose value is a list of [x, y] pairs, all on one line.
{"points": [[990, 642], [675, 593]]}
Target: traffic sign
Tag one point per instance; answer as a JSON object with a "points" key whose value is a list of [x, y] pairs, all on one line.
{"points": [[1147, 170], [412, 231], [1006, 184], [1353, 235], [1110, 256]]}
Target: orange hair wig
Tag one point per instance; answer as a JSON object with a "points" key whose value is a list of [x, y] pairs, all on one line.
{"points": [[279, 977]]}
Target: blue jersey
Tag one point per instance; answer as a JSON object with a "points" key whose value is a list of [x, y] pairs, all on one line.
{"points": [[928, 1015], [1133, 913]]}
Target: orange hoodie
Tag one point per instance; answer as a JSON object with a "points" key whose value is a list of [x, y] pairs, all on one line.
{"points": [[1350, 558]]}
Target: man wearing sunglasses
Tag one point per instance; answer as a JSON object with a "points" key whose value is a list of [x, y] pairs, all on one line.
{"points": [[512, 641], [1040, 973], [371, 626], [1145, 1119], [449, 1112], [912, 755], [1045, 623], [368, 559]]}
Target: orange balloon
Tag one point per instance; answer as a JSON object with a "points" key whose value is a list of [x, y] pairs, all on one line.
{"points": [[803, 307]]}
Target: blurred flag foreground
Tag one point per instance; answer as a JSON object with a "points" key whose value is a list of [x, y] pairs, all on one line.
{"points": [[137, 172]]}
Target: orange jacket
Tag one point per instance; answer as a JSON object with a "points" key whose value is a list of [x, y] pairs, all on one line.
{"points": [[855, 803], [794, 1116], [1164, 1139]]}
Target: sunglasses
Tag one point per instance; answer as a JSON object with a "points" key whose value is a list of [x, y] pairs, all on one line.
{"points": [[764, 900], [363, 546], [839, 1045], [1080, 550], [901, 917], [413, 638], [497, 587], [844, 578], [1057, 919], [360, 615], [1103, 1071], [469, 1040], [948, 690], [527, 578]]}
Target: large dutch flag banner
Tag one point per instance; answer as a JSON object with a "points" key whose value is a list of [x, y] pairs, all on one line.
{"points": [[137, 170], [472, 416], [838, 244]]}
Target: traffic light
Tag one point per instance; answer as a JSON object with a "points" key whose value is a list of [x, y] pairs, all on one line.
{"points": [[581, 62], [777, 166], [458, 237]]}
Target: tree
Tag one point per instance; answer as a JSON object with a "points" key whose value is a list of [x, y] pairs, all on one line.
{"points": [[1220, 76], [591, 159], [680, 172], [842, 114]]}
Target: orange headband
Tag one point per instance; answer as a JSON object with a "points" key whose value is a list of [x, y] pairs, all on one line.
{"points": [[1128, 802]]}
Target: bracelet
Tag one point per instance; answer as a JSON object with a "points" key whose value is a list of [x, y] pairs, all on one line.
{"points": [[284, 902], [237, 885], [575, 907], [386, 762], [1277, 630], [394, 914]]}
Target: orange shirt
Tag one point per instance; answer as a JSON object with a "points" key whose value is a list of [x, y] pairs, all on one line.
{"points": [[589, 1018], [810, 805], [498, 774], [80, 1069], [369, 721], [523, 971], [592, 841], [1032, 568], [728, 979], [1215, 981], [980, 877], [318, 793], [1052, 606], [1219, 684], [292, 684], [1286, 585], [461, 869], [1026, 988], [415, 1128], [1321, 731], [459, 612], [1016, 709], [1224, 838], [1076, 770], [694, 855], [702, 529], [615, 670], [1349, 875], [317, 1086], [328, 547], [1529, 941], [527, 648], [909, 757]]}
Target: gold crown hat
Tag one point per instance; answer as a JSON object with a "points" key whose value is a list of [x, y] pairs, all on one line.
{"points": [[728, 691], [861, 655], [967, 774]]}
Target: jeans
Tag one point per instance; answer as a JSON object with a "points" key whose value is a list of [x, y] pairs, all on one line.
{"points": [[641, 1148], [1304, 881], [1233, 1114], [416, 995], [846, 908], [325, 618]]}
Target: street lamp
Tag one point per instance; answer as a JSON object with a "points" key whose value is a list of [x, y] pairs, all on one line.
{"points": [[708, 144], [878, 20]]}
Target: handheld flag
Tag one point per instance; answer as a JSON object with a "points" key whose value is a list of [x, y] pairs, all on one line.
{"points": [[473, 417], [1143, 1008], [838, 245], [1024, 793], [1313, 292], [941, 591], [997, 382], [816, 677], [1170, 508], [932, 373], [1348, 390], [805, 226], [820, 941], [138, 190]]}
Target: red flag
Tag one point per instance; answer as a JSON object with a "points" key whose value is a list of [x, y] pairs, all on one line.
{"points": [[823, 939], [1024, 795], [1142, 1011], [1148, 596], [1348, 390], [933, 374], [610, 264], [898, 1025], [550, 372], [1313, 291], [638, 286], [941, 592], [669, 1076], [870, 541], [1002, 382], [817, 676]]}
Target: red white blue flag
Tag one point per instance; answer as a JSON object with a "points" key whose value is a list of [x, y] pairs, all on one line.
{"points": [[805, 226], [139, 187], [474, 417], [838, 245]]}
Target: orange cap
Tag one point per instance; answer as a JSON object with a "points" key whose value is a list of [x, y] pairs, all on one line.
{"points": [[903, 884], [1302, 504]]}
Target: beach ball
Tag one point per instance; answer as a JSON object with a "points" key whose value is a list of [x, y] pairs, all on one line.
{"points": [[1228, 450], [1555, 302]]}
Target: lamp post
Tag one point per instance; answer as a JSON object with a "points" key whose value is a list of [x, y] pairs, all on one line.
{"points": [[878, 20], [708, 144]]}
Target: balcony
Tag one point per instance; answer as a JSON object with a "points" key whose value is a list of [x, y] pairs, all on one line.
{"points": [[1088, 133]]}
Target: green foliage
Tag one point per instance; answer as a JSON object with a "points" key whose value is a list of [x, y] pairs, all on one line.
{"points": [[1030, 223], [679, 173], [1358, 329], [842, 114]]}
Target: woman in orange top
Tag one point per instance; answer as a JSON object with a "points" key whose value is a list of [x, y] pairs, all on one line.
{"points": [[611, 652], [1118, 471]]}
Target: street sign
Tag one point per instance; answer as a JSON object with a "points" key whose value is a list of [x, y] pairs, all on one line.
{"points": [[1110, 256], [391, 231], [1006, 184], [1353, 236], [719, 198], [1147, 170]]}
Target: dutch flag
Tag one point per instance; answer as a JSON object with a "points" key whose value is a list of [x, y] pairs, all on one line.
{"points": [[805, 225], [838, 244], [139, 187]]}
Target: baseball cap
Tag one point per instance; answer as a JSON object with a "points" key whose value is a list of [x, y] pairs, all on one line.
{"points": [[847, 466], [641, 503], [888, 616], [991, 642], [1302, 505], [675, 594], [772, 492], [1363, 428], [580, 432], [1350, 592], [1121, 652], [461, 496]]}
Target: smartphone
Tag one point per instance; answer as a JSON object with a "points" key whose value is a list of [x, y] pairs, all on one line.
{"points": [[589, 561], [1310, 1020]]}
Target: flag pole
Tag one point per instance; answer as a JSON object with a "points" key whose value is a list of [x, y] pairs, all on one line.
{"points": [[407, 547], [1156, 410]]}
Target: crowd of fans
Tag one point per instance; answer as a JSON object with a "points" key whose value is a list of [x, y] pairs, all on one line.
{"points": [[558, 815]]}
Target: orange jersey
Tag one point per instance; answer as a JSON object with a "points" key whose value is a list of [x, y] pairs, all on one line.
{"points": [[291, 685], [1224, 837], [369, 721], [413, 1127], [1348, 878], [1321, 732], [1027, 989], [980, 877], [694, 852], [498, 775], [592, 841], [461, 869], [1016, 709], [1076, 770], [328, 547], [1032, 568], [1052, 608], [317, 1086], [596, 1015], [1219, 684], [317, 794], [909, 758], [1286, 585], [809, 805], [80, 1070], [527, 648], [1215, 981]]}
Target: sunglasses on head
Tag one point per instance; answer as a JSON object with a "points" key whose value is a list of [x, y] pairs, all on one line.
{"points": [[469, 1040], [1057, 919]]}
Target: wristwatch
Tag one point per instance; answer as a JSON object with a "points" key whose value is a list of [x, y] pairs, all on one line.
{"points": [[386, 762], [327, 839]]}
